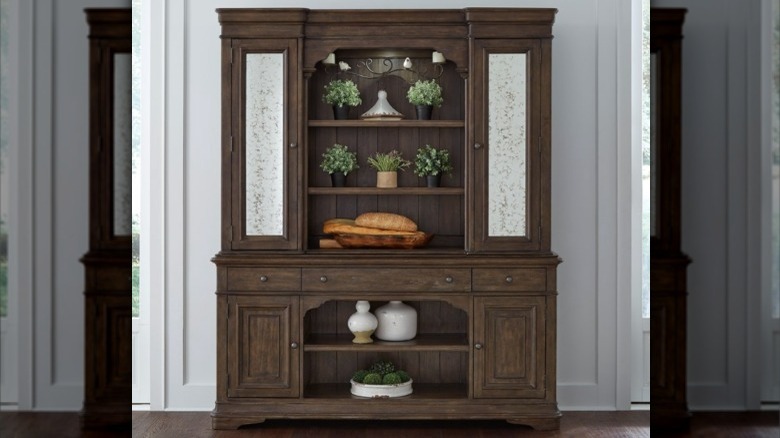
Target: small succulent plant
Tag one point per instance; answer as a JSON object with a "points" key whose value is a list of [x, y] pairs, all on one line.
{"points": [[359, 375], [372, 379], [403, 375], [391, 379], [382, 367]]}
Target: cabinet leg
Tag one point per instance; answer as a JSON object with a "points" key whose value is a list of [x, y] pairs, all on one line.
{"points": [[233, 423], [538, 423]]}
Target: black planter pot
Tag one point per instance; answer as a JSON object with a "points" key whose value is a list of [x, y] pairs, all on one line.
{"points": [[424, 112], [340, 112], [433, 180], [338, 179]]}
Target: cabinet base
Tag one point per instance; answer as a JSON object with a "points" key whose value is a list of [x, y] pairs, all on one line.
{"points": [[234, 415]]}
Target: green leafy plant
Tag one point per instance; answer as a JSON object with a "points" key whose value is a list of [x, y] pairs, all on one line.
{"points": [[342, 92], [382, 367], [359, 375], [388, 162], [339, 159], [372, 379], [432, 161], [382, 372], [391, 379], [425, 93]]}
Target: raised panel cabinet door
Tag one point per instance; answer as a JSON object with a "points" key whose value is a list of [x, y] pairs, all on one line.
{"points": [[509, 145], [509, 347], [260, 143], [263, 349]]}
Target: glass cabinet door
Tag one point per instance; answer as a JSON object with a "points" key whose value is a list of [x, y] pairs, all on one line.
{"points": [[506, 146], [264, 145]]}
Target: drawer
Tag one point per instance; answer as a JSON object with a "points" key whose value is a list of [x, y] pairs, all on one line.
{"points": [[270, 279], [507, 279], [383, 279]]}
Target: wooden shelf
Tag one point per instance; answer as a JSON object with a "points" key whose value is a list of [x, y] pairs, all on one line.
{"points": [[403, 191], [356, 123], [423, 342], [421, 391]]}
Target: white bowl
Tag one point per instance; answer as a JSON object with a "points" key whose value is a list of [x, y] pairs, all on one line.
{"points": [[381, 391]]}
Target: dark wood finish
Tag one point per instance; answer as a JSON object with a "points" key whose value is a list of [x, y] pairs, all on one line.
{"points": [[262, 346], [668, 291], [107, 264], [284, 349]]}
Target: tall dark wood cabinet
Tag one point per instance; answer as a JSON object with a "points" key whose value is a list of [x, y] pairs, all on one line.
{"points": [[107, 294], [484, 286], [668, 264]]}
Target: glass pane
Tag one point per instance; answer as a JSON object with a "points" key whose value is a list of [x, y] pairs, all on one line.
{"points": [[507, 144], [122, 144], [264, 144]]}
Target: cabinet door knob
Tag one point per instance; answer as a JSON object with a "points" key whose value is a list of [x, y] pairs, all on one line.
{"points": [[294, 345], [293, 145], [509, 279], [478, 346], [477, 145], [324, 279], [448, 279], [263, 278]]}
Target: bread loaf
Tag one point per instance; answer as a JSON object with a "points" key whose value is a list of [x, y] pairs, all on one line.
{"points": [[348, 226], [386, 221]]}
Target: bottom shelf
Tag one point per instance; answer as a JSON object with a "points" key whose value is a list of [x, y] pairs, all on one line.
{"points": [[421, 391]]}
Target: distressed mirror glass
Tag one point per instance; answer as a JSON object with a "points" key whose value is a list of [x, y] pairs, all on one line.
{"points": [[123, 133], [264, 202], [507, 144]]}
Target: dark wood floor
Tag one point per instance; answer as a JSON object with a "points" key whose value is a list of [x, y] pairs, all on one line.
{"points": [[573, 424]]}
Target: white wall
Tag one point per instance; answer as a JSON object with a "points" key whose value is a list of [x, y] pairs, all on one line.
{"points": [[720, 200], [51, 179], [594, 125]]}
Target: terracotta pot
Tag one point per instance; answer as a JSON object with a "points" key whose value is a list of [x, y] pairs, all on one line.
{"points": [[387, 180]]}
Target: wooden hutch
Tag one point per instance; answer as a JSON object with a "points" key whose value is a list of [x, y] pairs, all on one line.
{"points": [[484, 287]]}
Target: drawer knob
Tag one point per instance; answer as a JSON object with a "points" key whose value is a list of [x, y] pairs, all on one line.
{"points": [[294, 345], [293, 145], [263, 278], [448, 279], [478, 346], [509, 279], [324, 279], [477, 146]]}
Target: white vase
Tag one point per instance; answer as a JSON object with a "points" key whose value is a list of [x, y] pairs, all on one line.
{"points": [[397, 322], [362, 323]]}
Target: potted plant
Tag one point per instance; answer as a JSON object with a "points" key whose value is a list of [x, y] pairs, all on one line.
{"points": [[338, 161], [387, 166], [431, 163], [381, 379], [424, 95], [342, 94]]}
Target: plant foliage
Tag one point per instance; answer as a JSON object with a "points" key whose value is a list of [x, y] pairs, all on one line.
{"points": [[432, 161], [339, 159], [425, 93], [342, 92], [388, 162]]}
